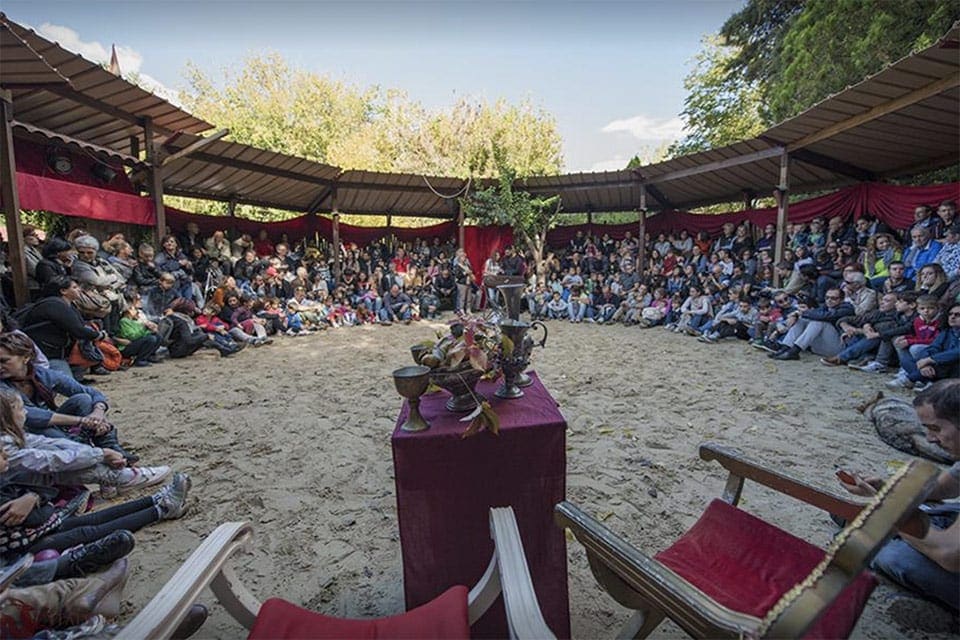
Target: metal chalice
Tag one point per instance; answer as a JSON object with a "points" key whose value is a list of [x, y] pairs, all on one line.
{"points": [[411, 382]]}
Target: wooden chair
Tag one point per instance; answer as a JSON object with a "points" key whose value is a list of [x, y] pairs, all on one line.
{"points": [[447, 616], [733, 574]]}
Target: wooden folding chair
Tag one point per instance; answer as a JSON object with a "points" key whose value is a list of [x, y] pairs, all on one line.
{"points": [[447, 616], [733, 574]]}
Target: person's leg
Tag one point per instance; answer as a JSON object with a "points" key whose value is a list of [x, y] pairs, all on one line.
{"points": [[142, 348], [93, 526], [795, 332], [858, 348], [909, 364], [915, 571], [826, 342], [80, 404], [61, 366]]}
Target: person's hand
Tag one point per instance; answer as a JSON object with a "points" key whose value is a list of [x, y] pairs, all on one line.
{"points": [[925, 362], [871, 334], [114, 459], [865, 487], [900, 342], [151, 326], [4, 462], [14, 512]]}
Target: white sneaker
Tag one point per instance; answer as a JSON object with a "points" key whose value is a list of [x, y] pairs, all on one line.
{"points": [[922, 386], [901, 381], [872, 367], [144, 477]]}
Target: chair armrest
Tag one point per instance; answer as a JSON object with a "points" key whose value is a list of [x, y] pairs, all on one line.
{"points": [[519, 598], [639, 582], [14, 571], [206, 565], [743, 468]]}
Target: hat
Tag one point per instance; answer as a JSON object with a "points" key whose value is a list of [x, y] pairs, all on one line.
{"points": [[271, 272]]}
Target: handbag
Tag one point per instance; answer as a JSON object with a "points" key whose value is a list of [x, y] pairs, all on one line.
{"points": [[86, 354], [112, 356], [92, 304]]}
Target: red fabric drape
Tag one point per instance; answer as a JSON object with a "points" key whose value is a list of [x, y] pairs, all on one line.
{"points": [[71, 199], [893, 204], [480, 242]]}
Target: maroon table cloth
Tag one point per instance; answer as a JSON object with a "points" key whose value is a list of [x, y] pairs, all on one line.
{"points": [[446, 485]]}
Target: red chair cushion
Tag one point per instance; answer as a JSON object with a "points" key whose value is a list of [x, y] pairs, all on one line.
{"points": [[443, 617], [746, 564]]}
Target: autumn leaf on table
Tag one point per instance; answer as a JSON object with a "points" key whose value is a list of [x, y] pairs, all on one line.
{"points": [[483, 417]]}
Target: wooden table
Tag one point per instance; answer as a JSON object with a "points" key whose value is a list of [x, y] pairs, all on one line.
{"points": [[446, 484]]}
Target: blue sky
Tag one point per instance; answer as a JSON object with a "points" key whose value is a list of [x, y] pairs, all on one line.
{"points": [[611, 73]]}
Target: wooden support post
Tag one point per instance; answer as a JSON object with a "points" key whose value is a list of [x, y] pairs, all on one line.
{"points": [[156, 179], [642, 231], [231, 233], [460, 222], [783, 203], [11, 201], [336, 246]]}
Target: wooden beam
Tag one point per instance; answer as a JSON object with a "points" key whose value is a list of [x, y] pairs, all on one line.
{"points": [[10, 199], [314, 205], [135, 147], [47, 133], [878, 111], [783, 204], [642, 240], [717, 165], [832, 164], [99, 105], [156, 179], [193, 147], [336, 246], [259, 168], [663, 200], [460, 224]]}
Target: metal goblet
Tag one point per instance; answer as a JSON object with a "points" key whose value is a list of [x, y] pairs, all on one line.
{"points": [[411, 382]]}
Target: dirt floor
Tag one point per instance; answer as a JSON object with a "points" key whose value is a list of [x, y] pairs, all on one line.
{"points": [[295, 437]]}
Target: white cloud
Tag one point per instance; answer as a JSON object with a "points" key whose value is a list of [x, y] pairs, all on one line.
{"points": [[131, 60], [643, 127], [614, 164]]}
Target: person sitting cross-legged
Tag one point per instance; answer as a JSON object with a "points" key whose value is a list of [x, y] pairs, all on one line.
{"points": [[396, 306], [816, 329]]}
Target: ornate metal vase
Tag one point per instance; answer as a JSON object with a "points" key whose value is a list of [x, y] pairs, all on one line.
{"points": [[461, 384], [513, 365]]}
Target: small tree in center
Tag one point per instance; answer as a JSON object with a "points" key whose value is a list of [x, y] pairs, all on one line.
{"points": [[531, 218]]}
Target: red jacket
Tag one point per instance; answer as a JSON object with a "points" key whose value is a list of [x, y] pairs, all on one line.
{"points": [[923, 333]]}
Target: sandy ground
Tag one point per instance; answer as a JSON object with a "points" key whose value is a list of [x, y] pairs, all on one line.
{"points": [[295, 438]]}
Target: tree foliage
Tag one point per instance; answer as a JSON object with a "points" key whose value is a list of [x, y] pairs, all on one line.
{"points": [[531, 218], [269, 104], [800, 52], [722, 106], [775, 58]]}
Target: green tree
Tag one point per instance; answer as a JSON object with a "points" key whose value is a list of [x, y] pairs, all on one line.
{"points": [[531, 218], [722, 106], [266, 103], [800, 52], [269, 104]]}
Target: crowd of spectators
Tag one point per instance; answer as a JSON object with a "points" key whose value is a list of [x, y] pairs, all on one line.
{"points": [[856, 294]]}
